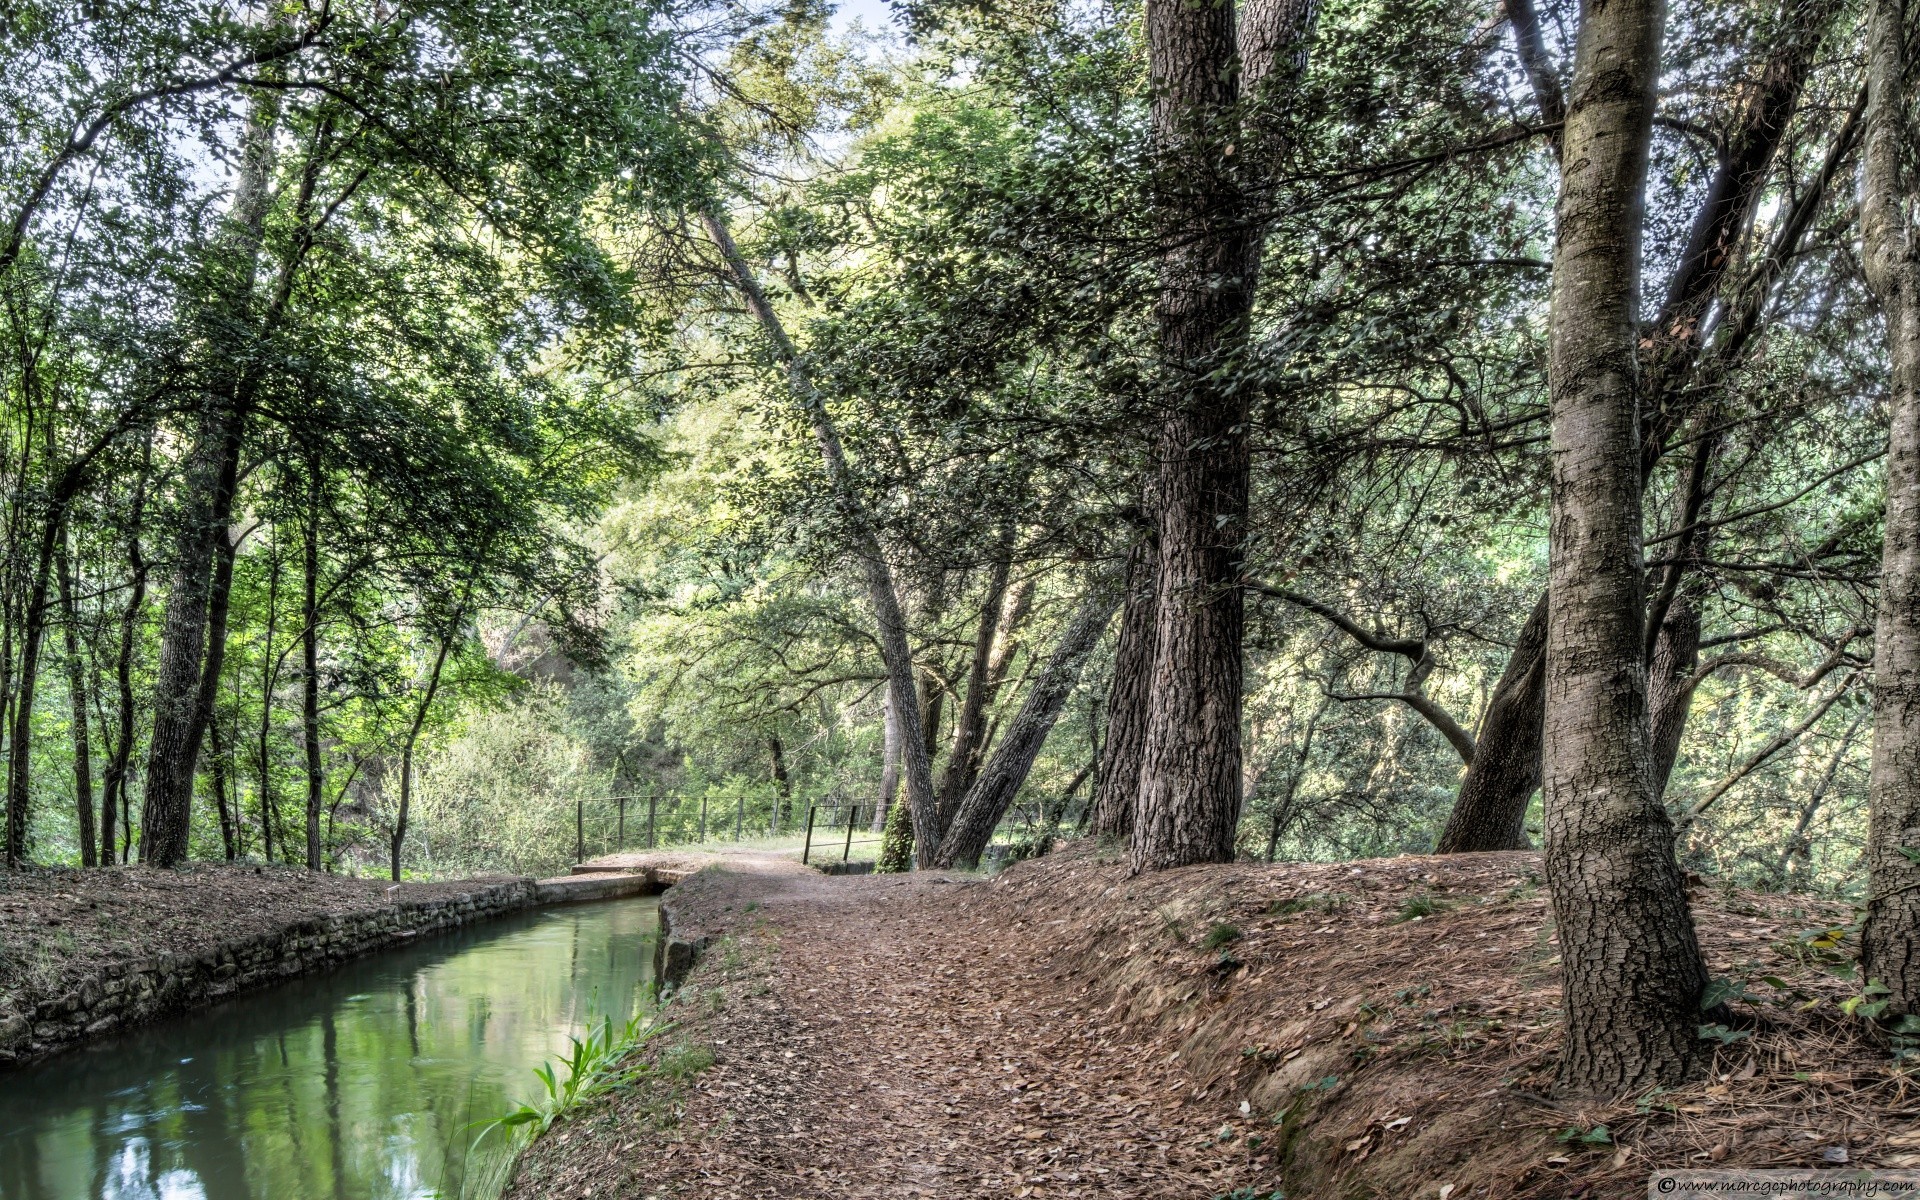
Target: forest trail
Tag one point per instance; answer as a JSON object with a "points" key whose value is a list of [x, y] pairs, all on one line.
{"points": [[881, 1037]]}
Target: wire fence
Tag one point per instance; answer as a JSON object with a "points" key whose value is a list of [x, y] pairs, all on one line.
{"points": [[848, 817]]}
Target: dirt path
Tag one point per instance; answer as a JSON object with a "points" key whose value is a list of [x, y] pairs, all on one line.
{"points": [[894, 1036]]}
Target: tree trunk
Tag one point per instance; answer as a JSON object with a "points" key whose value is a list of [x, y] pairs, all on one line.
{"points": [[77, 694], [1632, 975], [890, 621], [113, 780], [970, 723], [20, 741], [986, 802], [1890, 936], [1491, 810], [1117, 782], [217, 768], [1670, 683], [310, 664], [889, 763], [1189, 800], [211, 470], [269, 670], [406, 751], [782, 785]]}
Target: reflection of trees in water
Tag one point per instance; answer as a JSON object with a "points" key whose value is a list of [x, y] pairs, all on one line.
{"points": [[357, 1083]]}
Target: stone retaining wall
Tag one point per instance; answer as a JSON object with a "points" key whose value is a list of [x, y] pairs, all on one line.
{"points": [[131, 993]]}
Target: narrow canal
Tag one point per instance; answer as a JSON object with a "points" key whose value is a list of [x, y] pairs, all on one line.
{"points": [[359, 1084]]}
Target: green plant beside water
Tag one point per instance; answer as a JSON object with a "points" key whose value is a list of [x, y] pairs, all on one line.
{"points": [[602, 1061]]}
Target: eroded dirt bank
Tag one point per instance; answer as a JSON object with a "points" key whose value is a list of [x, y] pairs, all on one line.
{"points": [[1382, 1028]]}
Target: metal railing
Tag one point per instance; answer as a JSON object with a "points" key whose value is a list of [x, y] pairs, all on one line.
{"points": [[851, 819]]}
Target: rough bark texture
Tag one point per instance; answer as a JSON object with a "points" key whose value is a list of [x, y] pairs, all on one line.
{"points": [[1188, 805], [889, 763], [987, 800], [1632, 972], [1117, 782], [1670, 683], [1890, 938], [889, 619], [1490, 812]]}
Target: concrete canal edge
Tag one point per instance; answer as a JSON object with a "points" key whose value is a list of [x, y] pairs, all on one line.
{"points": [[128, 993]]}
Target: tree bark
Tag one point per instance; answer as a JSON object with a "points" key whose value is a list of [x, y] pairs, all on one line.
{"points": [[889, 762], [1890, 936], [77, 695], [310, 664], [1490, 812], [211, 471], [269, 671], [1117, 783], [1189, 800], [987, 800], [1670, 683], [406, 750], [890, 621], [782, 784], [1632, 975], [970, 722], [113, 781]]}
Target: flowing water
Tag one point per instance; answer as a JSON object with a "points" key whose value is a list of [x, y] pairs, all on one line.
{"points": [[359, 1084]]}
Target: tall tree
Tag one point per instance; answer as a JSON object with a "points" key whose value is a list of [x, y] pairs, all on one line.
{"points": [[1211, 239], [1890, 938], [1632, 972]]}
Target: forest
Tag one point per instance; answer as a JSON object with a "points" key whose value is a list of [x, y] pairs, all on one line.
{"points": [[441, 437]]}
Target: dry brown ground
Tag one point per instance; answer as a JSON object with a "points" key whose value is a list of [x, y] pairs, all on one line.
{"points": [[60, 924], [1067, 1030], [893, 1036]]}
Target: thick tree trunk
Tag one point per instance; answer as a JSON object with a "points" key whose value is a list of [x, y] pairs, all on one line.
{"points": [[889, 619], [1890, 937], [211, 471], [310, 665], [1189, 800], [1632, 975], [1117, 782], [986, 802], [77, 695], [1490, 812]]}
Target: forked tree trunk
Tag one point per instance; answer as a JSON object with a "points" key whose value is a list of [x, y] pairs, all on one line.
{"points": [[1490, 812], [970, 723], [1890, 937], [987, 800], [1632, 975], [1117, 782], [420, 712], [1670, 683]]}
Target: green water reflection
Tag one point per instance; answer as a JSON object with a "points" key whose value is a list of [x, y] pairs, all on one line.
{"points": [[353, 1085]]}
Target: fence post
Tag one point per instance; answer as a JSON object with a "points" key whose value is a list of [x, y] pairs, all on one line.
{"points": [[808, 847], [579, 831], [653, 809], [703, 819], [740, 818], [622, 838], [847, 849]]}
